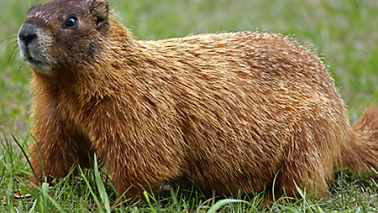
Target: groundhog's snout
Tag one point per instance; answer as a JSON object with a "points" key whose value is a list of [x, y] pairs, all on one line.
{"points": [[34, 44], [27, 35]]}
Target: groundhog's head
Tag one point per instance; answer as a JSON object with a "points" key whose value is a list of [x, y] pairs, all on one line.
{"points": [[63, 34]]}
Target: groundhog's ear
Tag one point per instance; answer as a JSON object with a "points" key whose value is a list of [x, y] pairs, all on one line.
{"points": [[100, 12]]}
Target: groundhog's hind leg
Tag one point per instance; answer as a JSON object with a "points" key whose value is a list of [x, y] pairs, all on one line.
{"points": [[307, 175], [303, 165]]}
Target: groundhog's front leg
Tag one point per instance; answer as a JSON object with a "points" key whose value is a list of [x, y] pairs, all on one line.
{"points": [[130, 186], [136, 169], [58, 146], [142, 160]]}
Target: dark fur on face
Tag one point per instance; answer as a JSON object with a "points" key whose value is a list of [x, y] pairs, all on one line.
{"points": [[63, 35]]}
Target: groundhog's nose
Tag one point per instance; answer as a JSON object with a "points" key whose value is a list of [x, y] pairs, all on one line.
{"points": [[27, 34]]}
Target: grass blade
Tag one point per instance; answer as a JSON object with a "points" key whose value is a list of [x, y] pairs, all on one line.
{"points": [[100, 185], [97, 202], [221, 203]]}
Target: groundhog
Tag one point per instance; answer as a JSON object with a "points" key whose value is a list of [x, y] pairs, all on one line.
{"points": [[233, 112]]}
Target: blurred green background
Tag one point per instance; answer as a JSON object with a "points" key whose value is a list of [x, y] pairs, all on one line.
{"points": [[343, 32]]}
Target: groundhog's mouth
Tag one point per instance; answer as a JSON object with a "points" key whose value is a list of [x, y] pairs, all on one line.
{"points": [[35, 64], [38, 65], [34, 61]]}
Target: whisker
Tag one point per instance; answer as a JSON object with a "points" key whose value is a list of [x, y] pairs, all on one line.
{"points": [[5, 23], [8, 38], [13, 47]]}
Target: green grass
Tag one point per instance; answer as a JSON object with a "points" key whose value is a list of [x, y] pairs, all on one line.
{"points": [[344, 33]]}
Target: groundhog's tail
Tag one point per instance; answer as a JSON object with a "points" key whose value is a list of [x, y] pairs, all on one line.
{"points": [[362, 153]]}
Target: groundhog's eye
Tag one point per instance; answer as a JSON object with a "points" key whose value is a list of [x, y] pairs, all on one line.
{"points": [[70, 22]]}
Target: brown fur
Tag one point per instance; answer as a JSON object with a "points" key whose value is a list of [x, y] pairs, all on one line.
{"points": [[229, 111]]}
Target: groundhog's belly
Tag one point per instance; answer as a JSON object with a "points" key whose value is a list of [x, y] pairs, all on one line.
{"points": [[234, 148]]}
